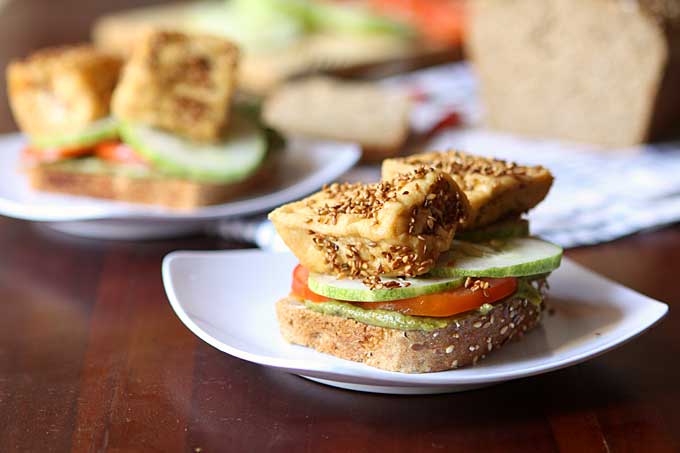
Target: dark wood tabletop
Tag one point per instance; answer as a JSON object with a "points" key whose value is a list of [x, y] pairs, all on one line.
{"points": [[92, 357]]}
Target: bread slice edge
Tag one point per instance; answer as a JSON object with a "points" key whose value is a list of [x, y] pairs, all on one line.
{"points": [[459, 344]]}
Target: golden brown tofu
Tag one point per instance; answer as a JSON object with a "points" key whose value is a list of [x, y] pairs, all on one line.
{"points": [[179, 82], [62, 89], [496, 189], [392, 228]]}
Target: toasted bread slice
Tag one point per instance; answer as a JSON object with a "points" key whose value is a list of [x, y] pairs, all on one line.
{"points": [[459, 344], [397, 227], [173, 193], [365, 113], [496, 189]]}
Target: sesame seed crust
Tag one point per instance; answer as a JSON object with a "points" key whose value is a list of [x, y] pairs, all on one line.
{"points": [[364, 231], [495, 188]]}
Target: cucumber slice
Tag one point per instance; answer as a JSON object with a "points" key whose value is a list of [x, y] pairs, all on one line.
{"points": [[255, 25], [500, 230], [238, 156], [356, 291], [354, 19], [515, 257], [100, 130]]}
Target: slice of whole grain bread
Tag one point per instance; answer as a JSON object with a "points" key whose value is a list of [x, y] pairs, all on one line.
{"points": [[459, 344]]}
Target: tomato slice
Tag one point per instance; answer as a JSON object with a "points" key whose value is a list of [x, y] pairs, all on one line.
{"points": [[34, 156], [116, 151], [442, 304], [300, 288], [449, 303]]}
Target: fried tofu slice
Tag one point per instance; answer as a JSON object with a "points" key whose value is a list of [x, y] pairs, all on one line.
{"points": [[393, 228], [179, 82], [61, 90], [496, 189]]}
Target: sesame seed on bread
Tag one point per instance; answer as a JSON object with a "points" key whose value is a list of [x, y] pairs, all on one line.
{"points": [[459, 344]]}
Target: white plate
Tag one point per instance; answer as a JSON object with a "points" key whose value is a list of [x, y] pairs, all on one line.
{"points": [[303, 167], [227, 299]]}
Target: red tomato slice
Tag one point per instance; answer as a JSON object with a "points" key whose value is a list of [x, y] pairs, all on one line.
{"points": [[449, 303], [115, 151], [34, 156], [300, 288], [443, 304]]}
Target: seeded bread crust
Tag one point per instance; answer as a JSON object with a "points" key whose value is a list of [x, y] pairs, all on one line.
{"points": [[452, 347], [171, 193]]}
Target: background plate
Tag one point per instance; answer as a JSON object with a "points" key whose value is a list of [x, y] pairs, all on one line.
{"points": [[303, 167], [227, 299]]}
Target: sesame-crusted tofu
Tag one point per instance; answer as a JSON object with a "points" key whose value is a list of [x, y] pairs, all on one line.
{"points": [[496, 189], [392, 228], [62, 89], [179, 82]]}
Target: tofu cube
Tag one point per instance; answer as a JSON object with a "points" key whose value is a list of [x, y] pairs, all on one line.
{"points": [[496, 189], [61, 90], [182, 83], [394, 228]]}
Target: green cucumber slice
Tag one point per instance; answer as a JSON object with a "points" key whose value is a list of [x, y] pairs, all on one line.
{"points": [[515, 257], [354, 19], [356, 291], [236, 157], [255, 25], [499, 230], [98, 131]]}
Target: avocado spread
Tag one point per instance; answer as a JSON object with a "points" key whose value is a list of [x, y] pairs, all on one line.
{"points": [[395, 320]]}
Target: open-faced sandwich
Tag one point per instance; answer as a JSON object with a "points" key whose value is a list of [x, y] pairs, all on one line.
{"points": [[159, 131], [382, 280]]}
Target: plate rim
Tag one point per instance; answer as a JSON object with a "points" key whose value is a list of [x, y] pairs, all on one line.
{"points": [[391, 378], [348, 154]]}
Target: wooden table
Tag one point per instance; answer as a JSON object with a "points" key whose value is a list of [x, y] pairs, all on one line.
{"points": [[93, 358]]}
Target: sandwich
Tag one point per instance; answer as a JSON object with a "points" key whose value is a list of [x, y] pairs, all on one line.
{"points": [[421, 272], [160, 130]]}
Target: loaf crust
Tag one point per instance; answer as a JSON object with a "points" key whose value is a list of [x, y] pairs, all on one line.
{"points": [[575, 75], [173, 193], [457, 345]]}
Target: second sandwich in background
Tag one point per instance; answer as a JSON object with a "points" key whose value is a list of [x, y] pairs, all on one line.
{"points": [[172, 139]]}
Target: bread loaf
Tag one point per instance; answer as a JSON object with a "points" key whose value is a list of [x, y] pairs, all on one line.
{"points": [[600, 71]]}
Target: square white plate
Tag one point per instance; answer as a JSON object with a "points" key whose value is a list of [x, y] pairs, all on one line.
{"points": [[227, 299], [302, 167]]}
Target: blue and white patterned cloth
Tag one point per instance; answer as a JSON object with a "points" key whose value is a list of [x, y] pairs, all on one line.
{"points": [[598, 195]]}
